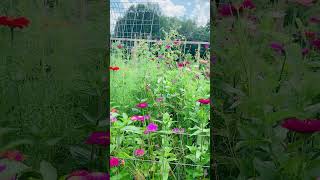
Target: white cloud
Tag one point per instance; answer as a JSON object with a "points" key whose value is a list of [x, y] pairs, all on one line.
{"points": [[201, 12], [170, 9]]}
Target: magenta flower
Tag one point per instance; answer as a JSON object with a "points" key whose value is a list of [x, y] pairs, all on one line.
{"points": [[304, 126], [247, 4], [13, 155], [316, 43], [152, 127], [98, 176], [114, 162], [314, 20], [178, 130], [227, 10], [206, 46], [204, 101], [2, 167], [99, 138], [142, 105], [119, 46], [139, 152], [81, 174], [181, 65], [168, 46], [305, 51], [279, 48]]}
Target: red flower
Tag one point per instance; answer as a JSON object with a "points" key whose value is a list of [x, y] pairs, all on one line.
{"points": [[304, 126], [13, 155], [204, 101], [20, 22], [310, 34], [99, 138], [116, 68], [120, 46], [3, 20]]}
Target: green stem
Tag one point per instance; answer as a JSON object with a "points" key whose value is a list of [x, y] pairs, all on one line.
{"points": [[281, 72]]}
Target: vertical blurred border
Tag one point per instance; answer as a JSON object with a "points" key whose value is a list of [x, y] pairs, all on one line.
{"points": [[213, 168], [107, 98]]}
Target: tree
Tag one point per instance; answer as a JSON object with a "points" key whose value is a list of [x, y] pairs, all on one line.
{"points": [[140, 21]]}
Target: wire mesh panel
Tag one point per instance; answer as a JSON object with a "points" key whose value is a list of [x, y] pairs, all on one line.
{"points": [[135, 19]]}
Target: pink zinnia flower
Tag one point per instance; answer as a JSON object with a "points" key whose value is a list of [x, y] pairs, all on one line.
{"points": [[306, 3], [206, 46], [178, 130], [315, 20], [114, 162], [305, 51], [142, 105], [120, 46], [139, 152], [13, 155], [204, 101], [2, 167], [316, 43], [99, 138], [180, 65], [113, 117], [304, 126], [140, 118], [247, 4], [279, 48], [152, 127], [80, 174], [168, 46], [227, 10], [98, 176]]}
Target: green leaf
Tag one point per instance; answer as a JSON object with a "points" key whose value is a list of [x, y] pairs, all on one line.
{"points": [[15, 144], [133, 129], [53, 141], [266, 169], [48, 171]]}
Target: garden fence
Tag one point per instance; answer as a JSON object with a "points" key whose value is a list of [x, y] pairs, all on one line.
{"points": [[132, 42]]}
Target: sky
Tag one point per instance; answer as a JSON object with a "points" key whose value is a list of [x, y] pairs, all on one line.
{"points": [[198, 10]]}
